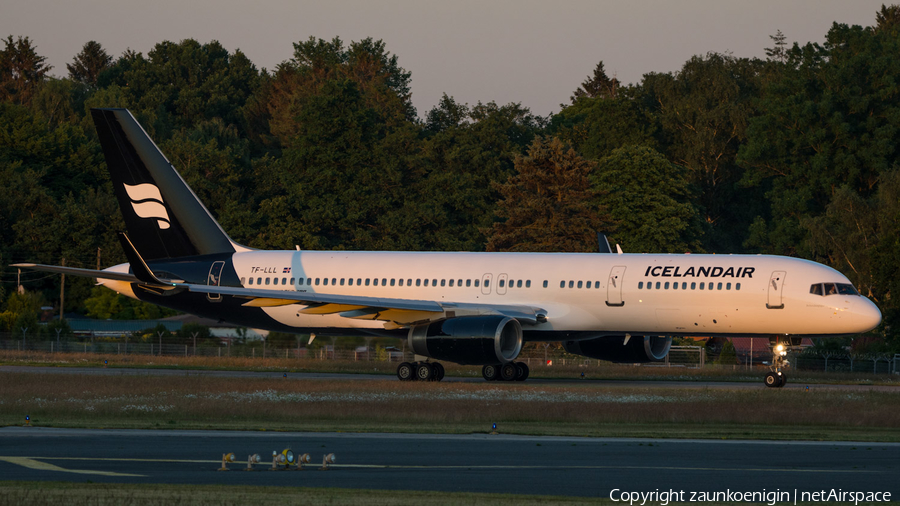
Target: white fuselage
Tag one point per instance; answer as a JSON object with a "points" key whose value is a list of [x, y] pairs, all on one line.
{"points": [[603, 293]]}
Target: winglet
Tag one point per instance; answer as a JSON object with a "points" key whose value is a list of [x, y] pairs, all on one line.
{"points": [[138, 266]]}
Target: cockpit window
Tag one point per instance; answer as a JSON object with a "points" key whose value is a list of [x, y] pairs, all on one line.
{"points": [[846, 289], [832, 289]]}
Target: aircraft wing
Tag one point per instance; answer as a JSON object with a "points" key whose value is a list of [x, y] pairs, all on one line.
{"points": [[399, 312]]}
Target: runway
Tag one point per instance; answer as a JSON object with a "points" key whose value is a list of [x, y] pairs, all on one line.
{"points": [[698, 384], [567, 466]]}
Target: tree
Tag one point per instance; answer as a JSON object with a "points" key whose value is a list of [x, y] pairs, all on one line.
{"points": [[703, 111], [597, 126], [651, 201], [548, 205], [888, 19], [598, 85], [22, 70], [89, 63], [778, 53]]}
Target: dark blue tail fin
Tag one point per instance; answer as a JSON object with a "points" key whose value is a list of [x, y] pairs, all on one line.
{"points": [[164, 217]]}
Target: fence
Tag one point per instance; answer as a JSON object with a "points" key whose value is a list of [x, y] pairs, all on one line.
{"points": [[876, 364]]}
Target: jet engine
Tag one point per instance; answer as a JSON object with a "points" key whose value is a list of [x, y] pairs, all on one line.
{"points": [[469, 340], [621, 350]]}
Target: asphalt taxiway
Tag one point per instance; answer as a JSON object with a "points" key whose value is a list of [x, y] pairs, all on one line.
{"points": [[692, 384], [569, 466]]}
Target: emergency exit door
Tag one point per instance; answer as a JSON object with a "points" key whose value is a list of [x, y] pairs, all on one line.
{"points": [[614, 286]]}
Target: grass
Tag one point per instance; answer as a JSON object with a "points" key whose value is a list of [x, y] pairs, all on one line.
{"points": [[582, 409], [99, 494], [606, 371]]}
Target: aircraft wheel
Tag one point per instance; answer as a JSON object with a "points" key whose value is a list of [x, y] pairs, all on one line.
{"points": [[424, 371], [521, 371], [438, 371], [509, 371], [783, 381], [772, 380], [490, 372], [405, 371]]}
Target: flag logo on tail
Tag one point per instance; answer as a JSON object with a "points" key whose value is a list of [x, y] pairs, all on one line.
{"points": [[148, 203]]}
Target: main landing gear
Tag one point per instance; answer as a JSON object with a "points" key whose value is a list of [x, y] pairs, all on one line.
{"points": [[510, 371], [775, 378], [420, 371]]}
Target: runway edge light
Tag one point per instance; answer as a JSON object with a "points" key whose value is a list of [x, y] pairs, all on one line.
{"points": [[302, 459], [226, 457], [327, 460], [252, 459]]}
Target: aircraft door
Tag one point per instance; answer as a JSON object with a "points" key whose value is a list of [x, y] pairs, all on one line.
{"points": [[776, 285], [486, 284], [614, 286], [501, 284], [215, 276]]}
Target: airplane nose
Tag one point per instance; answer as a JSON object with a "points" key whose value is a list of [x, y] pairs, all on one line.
{"points": [[866, 315]]}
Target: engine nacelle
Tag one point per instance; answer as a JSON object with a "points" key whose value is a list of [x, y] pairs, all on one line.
{"points": [[615, 349], [469, 340]]}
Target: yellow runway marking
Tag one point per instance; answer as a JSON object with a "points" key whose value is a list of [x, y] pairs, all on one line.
{"points": [[31, 463], [264, 464]]}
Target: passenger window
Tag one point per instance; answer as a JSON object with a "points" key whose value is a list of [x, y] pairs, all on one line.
{"points": [[545, 283], [640, 285], [719, 287], [444, 282], [433, 282], [476, 283], [400, 281], [701, 285], [518, 283], [383, 281], [275, 281], [588, 285], [267, 281], [350, 281], [657, 285], [292, 281], [451, 283], [728, 286], [579, 284], [242, 281], [667, 285], [392, 281], [283, 281], [251, 281], [571, 284], [418, 282], [258, 281], [468, 282], [693, 285], [562, 284], [737, 286], [830, 289], [358, 281], [596, 284], [675, 286], [528, 283], [684, 285], [458, 283], [367, 281], [501, 283], [487, 283], [299, 281]]}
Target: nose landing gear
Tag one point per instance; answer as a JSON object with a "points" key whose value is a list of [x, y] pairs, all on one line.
{"points": [[775, 378]]}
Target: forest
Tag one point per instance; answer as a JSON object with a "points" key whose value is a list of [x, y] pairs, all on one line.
{"points": [[795, 154]]}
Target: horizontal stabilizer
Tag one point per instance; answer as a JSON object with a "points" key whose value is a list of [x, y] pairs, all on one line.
{"points": [[86, 273]]}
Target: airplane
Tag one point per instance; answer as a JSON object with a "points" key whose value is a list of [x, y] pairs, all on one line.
{"points": [[464, 307]]}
